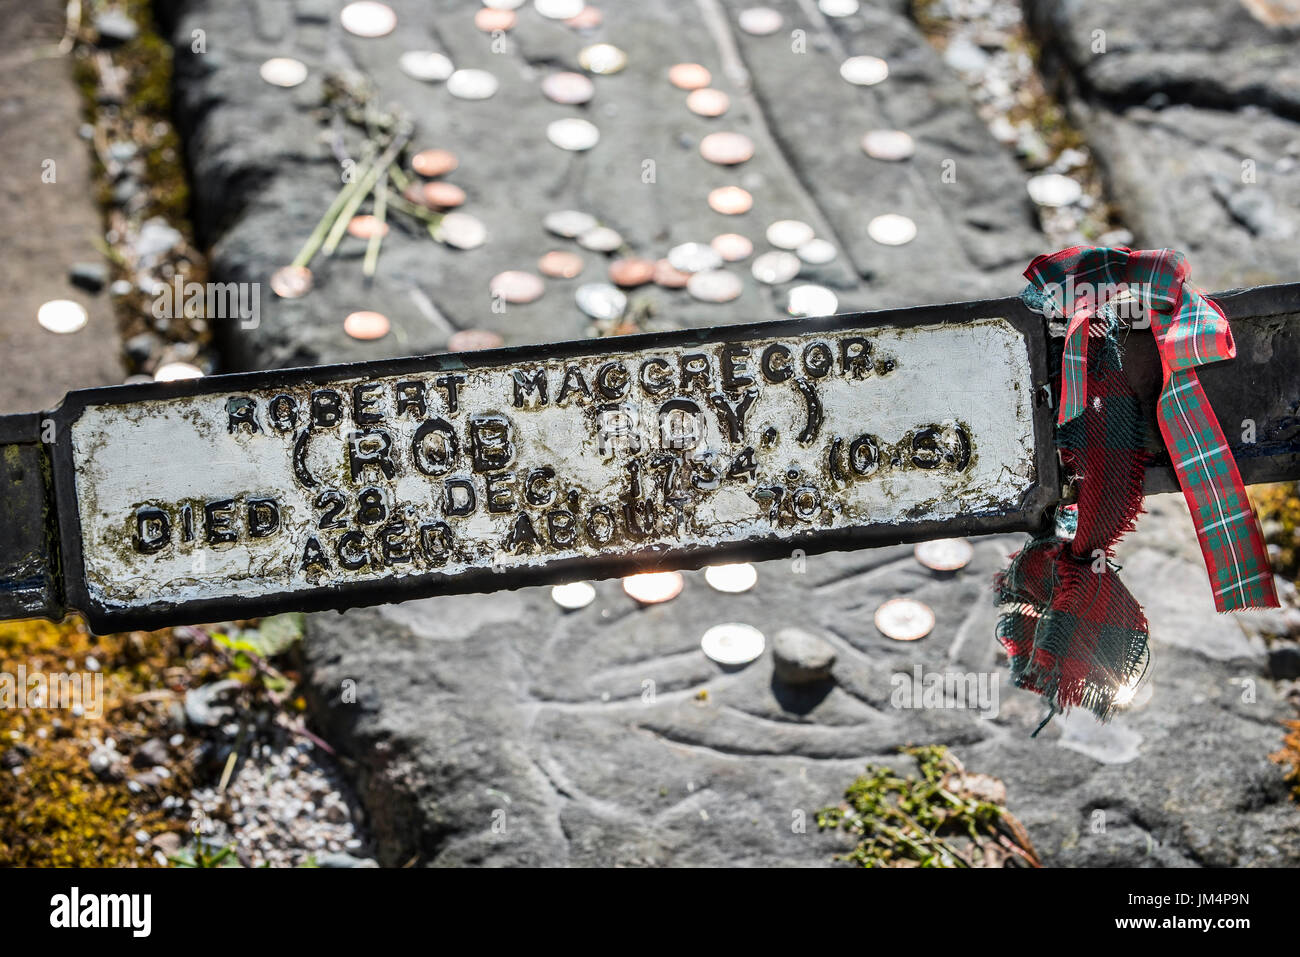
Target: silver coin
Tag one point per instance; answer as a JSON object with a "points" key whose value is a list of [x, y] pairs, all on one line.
{"points": [[811, 300], [569, 223], [817, 252], [365, 18], [426, 65], [864, 70], [600, 300], [892, 145], [461, 230], [568, 88], [776, 267], [172, 371], [602, 59], [733, 643], [714, 285], [559, 9], [732, 579], [1053, 189], [472, 84], [573, 133], [760, 21], [891, 229], [789, 233], [944, 554], [694, 257], [62, 316], [838, 8], [573, 595], [904, 619], [283, 71], [601, 239]]}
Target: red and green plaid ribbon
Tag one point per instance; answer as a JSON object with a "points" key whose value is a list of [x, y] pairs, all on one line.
{"points": [[1190, 330]]}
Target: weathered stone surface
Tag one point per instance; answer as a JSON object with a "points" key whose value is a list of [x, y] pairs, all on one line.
{"points": [[51, 186], [1197, 125], [264, 169], [600, 736], [1212, 53], [502, 730]]}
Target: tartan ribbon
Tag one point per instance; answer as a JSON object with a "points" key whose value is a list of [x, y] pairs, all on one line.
{"points": [[1073, 633], [1190, 330]]}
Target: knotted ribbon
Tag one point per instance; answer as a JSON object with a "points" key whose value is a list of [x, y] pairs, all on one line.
{"points": [[1075, 634]]}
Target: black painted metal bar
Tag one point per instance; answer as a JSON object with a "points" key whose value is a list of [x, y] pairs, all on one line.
{"points": [[42, 564]]}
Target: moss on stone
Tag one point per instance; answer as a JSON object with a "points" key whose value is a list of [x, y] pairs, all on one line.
{"points": [[944, 818], [58, 812]]}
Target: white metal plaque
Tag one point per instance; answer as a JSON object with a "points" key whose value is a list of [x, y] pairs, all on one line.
{"points": [[303, 484]]}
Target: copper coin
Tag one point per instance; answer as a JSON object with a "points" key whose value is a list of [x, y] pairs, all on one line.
{"points": [[651, 588], [363, 227], [489, 20], [516, 286], [708, 102], [559, 264], [587, 19], [689, 76], [290, 282], [433, 163], [366, 325], [732, 247], [568, 88], [631, 272], [669, 277], [473, 340], [904, 619], [443, 195], [414, 193], [726, 149], [730, 200]]}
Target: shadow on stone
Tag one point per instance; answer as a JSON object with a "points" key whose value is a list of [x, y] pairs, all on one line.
{"points": [[801, 698]]}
